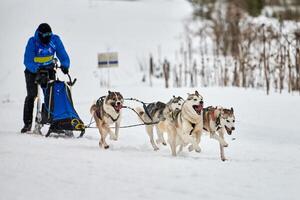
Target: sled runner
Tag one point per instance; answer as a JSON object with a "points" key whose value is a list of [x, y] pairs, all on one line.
{"points": [[57, 110]]}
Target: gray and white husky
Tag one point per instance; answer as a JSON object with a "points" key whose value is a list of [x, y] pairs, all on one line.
{"points": [[185, 126], [216, 121], [107, 111], [158, 112]]}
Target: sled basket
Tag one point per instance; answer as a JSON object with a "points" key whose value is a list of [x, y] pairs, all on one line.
{"points": [[58, 109]]}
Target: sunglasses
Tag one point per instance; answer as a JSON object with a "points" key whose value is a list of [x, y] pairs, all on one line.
{"points": [[43, 35]]}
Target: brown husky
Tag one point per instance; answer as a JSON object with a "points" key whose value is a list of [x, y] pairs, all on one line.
{"points": [[216, 121], [107, 111]]}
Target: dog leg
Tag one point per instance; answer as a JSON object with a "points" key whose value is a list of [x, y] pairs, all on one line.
{"points": [[221, 134], [217, 137], [191, 148], [117, 128], [149, 130], [222, 153], [173, 147], [98, 126], [196, 147], [180, 149], [102, 127], [172, 142], [195, 142], [102, 142], [160, 136], [112, 135], [222, 147], [101, 132]]}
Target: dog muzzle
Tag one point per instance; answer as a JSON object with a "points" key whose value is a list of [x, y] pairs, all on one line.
{"points": [[118, 107], [228, 130], [198, 108]]}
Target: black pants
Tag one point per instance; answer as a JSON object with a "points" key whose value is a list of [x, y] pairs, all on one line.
{"points": [[32, 90]]}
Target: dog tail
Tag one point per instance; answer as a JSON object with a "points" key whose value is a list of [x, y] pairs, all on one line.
{"points": [[93, 109]]}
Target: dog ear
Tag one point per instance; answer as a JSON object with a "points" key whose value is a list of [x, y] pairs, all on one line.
{"points": [[109, 92], [231, 109], [222, 110], [196, 93], [119, 95]]}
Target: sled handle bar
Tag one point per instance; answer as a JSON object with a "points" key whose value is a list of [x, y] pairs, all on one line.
{"points": [[71, 82]]}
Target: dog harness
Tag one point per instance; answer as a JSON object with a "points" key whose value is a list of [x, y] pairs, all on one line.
{"points": [[193, 125], [218, 119], [100, 110]]}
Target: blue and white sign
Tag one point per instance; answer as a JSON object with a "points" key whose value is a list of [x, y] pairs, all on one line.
{"points": [[107, 60]]}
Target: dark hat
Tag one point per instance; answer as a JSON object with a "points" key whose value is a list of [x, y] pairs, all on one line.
{"points": [[44, 28], [44, 33]]}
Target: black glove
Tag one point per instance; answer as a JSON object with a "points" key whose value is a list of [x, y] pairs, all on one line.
{"points": [[64, 70]]}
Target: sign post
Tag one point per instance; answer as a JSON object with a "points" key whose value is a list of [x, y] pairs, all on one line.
{"points": [[107, 60]]}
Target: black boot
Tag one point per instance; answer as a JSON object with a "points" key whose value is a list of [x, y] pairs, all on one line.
{"points": [[26, 128]]}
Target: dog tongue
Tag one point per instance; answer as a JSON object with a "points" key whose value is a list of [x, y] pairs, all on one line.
{"points": [[199, 108], [118, 108]]}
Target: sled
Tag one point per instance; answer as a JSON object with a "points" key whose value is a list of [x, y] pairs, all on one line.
{"points": [[57, 110]]}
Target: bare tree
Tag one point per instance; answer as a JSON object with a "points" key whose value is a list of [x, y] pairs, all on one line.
{"points": [[166, 71]]}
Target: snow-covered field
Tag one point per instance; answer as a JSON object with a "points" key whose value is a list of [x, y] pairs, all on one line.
{"points": [[263, 153], [263, 163]]}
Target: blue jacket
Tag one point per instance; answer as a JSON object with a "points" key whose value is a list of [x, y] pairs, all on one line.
{"points": [[38, 55]]}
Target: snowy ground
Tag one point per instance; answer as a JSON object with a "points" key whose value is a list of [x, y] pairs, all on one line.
{"points": [[264, 160], [263, 163]]}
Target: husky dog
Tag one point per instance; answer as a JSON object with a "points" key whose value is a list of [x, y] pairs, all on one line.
{"points": [[106, 111], [156, 112], [216, 121], [185, 126]]}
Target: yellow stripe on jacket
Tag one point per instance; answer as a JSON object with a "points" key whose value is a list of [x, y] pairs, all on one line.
{"points": [[43, 59]]}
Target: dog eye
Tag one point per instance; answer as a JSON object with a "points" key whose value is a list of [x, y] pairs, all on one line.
{"points": [[227, 120], [233, 120], [195, 99]]}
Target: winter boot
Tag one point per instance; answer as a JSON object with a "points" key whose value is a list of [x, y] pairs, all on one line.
{"points": [[26, 128]]}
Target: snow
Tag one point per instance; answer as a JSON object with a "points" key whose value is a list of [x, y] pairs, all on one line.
{"points": [[263, 160], [263, 153]]}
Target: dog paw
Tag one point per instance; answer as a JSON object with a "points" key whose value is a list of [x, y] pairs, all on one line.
{"points": [[164, 143], [113, 137], [223, 159], [156, 149], [198, 150], [191, 148], [106, 146]]}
